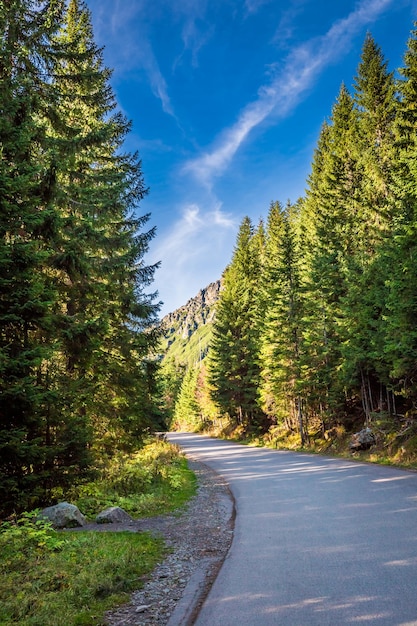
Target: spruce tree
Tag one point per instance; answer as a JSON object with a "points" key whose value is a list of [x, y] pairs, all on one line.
{"points": [[331, 206], [106, 323], [76, 321], [27, 226], [233, 357], [375, 98], [187, 415], [281, 339], [365, 305], [399, 254]]}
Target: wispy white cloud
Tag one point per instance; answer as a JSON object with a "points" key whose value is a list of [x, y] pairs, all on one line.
{"points": [[196, 32], [113, 22], [285, 28], [253, 6], [156, 79], [194, 223], [194, 39], [286, 87], [193, 251]]}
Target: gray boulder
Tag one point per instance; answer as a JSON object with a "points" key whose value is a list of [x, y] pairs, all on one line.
{"points": [[363, 440], [63, 515], [113, 515]]}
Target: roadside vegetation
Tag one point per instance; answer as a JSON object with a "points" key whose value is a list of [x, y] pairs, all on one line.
{"points": [[151, 481], [396, 440], [51, 578]]}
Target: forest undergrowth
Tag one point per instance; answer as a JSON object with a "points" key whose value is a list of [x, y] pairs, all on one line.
{"points": [[395, 440], [52, 578]]}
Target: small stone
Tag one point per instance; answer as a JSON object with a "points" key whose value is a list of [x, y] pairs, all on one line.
{"points": [[363, 440], [143, 608], [113, 515]]}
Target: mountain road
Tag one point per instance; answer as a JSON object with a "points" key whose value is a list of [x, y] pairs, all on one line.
{"points": [[318, 541]]}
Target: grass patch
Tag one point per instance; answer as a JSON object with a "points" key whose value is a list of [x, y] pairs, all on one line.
{"points": [[69, 579], [153, 481], [50, 578]]}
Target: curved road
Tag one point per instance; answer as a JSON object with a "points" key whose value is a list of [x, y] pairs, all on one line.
{"points": [[318, 541]]}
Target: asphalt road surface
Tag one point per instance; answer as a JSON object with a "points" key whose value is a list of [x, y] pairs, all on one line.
{"points": [[318, 541]]}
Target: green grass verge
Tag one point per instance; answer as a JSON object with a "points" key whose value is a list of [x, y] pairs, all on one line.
{"points": [[50, 578], [74, 583], [153, 481]]}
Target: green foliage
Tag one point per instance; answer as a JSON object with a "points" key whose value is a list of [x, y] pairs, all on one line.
{"points": [[171, 375], [363, 309], [281, 339], [27, 225], [187, 414], [233, 368], [332, 205], [51, 578], [76, 326], [190, 350], [28, 534], [74, 579], [148, 482]]}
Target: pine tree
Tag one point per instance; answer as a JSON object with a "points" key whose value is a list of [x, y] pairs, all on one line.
{"points": [[75, 316], [399, 254], [27, 225], [281, 329], [375, 98], [171, 375], [331, 208], [405, 131], [210, 415], [99, 257], [365, 305], [187, 415], [233, 357]]}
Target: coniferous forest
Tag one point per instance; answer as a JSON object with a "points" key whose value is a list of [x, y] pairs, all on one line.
{"points": [[316, 325], [76, 320]]}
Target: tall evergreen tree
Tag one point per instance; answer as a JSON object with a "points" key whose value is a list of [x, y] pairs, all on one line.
{"points": [[332, 205], [399, 322], [27, 224], [365, 305], [375, 98], [281, 330], [100, 255], [75, 317], [187, 413], [233, 357]]}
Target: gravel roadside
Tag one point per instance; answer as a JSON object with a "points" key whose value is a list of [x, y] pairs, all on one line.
{"points": [[199, 538]]}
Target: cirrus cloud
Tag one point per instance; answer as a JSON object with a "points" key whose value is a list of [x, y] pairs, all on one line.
{"points": [[284, 91]]}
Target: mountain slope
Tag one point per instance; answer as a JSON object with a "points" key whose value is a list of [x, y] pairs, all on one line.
{"points": [[187, 330]]}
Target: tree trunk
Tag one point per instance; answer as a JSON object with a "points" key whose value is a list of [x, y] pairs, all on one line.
{"points": [[300, 422]]}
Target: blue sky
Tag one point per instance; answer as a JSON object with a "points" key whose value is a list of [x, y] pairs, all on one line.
{"points": [[227, 98]]}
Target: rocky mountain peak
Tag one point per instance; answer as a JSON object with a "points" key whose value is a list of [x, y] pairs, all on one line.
{"points": [[198, 311]]}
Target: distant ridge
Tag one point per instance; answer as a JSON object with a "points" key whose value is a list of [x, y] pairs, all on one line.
{"points": [[187, 330]]}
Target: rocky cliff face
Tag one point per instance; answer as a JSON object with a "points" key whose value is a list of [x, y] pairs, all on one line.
{"points": [[196, 313]]}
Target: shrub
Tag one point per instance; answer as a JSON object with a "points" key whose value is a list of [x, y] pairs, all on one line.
{"points": [[146, 483]]}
